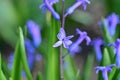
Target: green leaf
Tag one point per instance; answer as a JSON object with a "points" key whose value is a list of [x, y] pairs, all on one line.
{"points": [[105, 58], [70, 71], [20, 59], [5, 69], [88, 67], [23, 55], [17, 65], [39, 76], [2, 75], [52, 69]]}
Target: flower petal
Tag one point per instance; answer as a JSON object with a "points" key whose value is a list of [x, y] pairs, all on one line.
{"points": [[69, 37], [53, 2], [66, 43], [61, 35], [57, 44], [43, 8], [88, 40], [74, 48]]}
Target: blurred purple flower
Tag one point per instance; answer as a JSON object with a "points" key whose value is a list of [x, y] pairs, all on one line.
{"points": [[38, 57], [34, 30], [10, 64], [23, 74], [75, 46], [63, 39], [76, 5], [104, 70], [10, 60], [116, 45], [30, 53], [29, 46], [48, 5], [83, 35], [111, 23], [97, 44]]}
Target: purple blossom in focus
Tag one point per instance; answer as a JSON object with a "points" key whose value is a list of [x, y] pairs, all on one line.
{"points": [[97, 44], [63, 39], [111, 23], [75, 46], [116, 45], [34, 30], [48, 5], [76, 5], [105, 70]]}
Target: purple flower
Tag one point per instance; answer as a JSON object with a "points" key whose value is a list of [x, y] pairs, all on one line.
{"points": [[111, 23], [38, 57], [30, 53], [23, 74], [48, 5], [116, 45], [10, 64], [76, 5], [83, 35], [29, 46], [10, 61], [34, 30], [63, 39], [97, 44], [104, 70], [75, 46]]}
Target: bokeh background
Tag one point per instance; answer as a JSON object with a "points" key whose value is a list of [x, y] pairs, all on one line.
{"points": [[15, 13]]}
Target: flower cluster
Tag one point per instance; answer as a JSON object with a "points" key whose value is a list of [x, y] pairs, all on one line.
{"points": [[72, 47], [110, 23]]}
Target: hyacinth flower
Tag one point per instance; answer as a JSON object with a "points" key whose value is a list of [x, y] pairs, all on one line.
{"points": [[63, 39], [116, 45], [97, 44], [48, 5], [75, 46], [111, 23], [34, 31], [105, 70], [76, 5]]}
